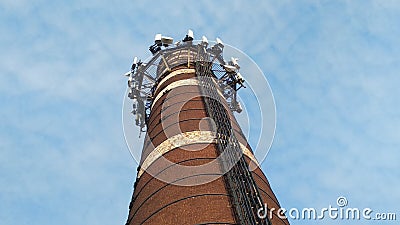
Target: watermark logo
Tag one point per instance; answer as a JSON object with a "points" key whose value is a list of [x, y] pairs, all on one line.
{"points": [[341, 201], [338, 212]]}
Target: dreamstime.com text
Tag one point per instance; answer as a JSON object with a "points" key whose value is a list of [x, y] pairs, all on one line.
{"points": [[342, 212]]}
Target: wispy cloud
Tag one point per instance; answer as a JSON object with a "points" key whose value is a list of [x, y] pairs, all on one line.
{"points": [[332, 66]]}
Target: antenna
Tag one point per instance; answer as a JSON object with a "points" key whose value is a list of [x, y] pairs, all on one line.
{"points": [[157, 39], [166, 41], [204, 41], [189, 36], [219, 42]]}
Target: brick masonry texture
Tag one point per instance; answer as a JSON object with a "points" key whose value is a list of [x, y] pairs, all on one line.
{"points": [[155, 201]]}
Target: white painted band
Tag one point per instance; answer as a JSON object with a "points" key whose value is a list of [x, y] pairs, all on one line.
{"points": [[172, 74], [179, 140]]}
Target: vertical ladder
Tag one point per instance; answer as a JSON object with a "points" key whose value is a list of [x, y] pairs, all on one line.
{"points": [[245, 196]]}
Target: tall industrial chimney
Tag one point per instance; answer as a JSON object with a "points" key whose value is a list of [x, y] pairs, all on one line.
{"points": [[196, 166]]}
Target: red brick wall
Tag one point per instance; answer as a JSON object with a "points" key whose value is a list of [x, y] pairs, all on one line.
{"points": [[158, 202]]}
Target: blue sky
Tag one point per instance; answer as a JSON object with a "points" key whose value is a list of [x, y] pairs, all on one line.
{"points": [[333, 67]]}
